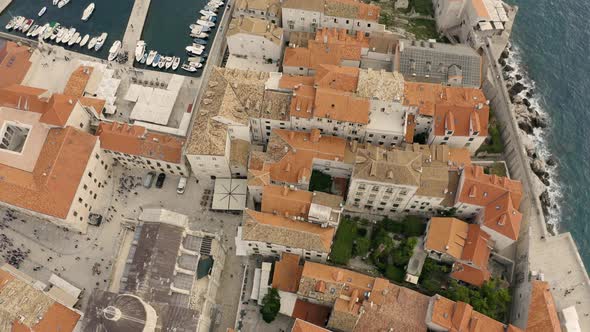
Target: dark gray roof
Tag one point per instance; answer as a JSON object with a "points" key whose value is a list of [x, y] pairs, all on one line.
{"points": [[430, 62]]}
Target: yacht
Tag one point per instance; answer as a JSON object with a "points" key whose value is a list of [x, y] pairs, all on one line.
{"points": [[150, 58], [84, 40], [88, 12], [175, 63], [195, 28], [156, 60], [32, 30], [139, 50], [42, 11], [191, 67], [74, 39], [41, 31], [168, 64], [207, 12], [114, 50], [62, 3], [100, 41], [206, 23], [92, 42]]}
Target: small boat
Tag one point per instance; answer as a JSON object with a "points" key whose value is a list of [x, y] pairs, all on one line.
{"points": [[100, 41], [210, 8], [199, 41], [41, 31], [84, 40], [55, 32], [62, 3], [216, 2], [50, 29], [92, 42], [69, 35], [151, 57], [156, 60], [42, 11], [200, 35], [78, 40], [168, 64], [207, 12], [27, 25], [196, 59], [205, 23], [88, 12], [60, 34], [74, 39], [18, 23], [191, 50], [32, 30], [213, 4], [114, 50], [139, 50], [188, 68], [10, 24], [209, 18], [162, 62], [143, 58], [175, 63], [195, 28]]}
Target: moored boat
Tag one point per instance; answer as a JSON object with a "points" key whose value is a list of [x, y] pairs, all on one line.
{"points": [[42, 11], [207, 12], [27, 25], [175, 63], [168, 64], [84, 40], [60, 34], [62, 3], [196, 59], [139, 50], [162, 62], [205, 23], [156, 60], [151, 57], [32, 30], [69, 35], [100, 41], [88, 12], [200, 35], [92, 42], [74, 39], [114, 50], [143, 58]]}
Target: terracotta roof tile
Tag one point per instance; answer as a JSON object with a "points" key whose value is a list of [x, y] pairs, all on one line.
{"points": [[286, 202], [542, 311], [352, 9], [14, 63], [336, 77], [136, 140], [459, 316], [287, 273], [303, 326], [78, 81], [341, 106], [470, 274], [447, 235]]}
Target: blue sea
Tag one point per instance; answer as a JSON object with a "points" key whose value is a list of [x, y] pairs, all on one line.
{"points": [[551, 40], [166, 28]]}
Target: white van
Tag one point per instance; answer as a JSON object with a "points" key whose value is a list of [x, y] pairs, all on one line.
{"points": [[181, 185]]}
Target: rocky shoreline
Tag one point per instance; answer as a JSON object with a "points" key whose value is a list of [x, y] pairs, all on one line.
{"points": [[530, 120]]}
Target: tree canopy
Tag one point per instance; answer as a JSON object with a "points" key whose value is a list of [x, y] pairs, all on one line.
{"points": [[271, 304]]}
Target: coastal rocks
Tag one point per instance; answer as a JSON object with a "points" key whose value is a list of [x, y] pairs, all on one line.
{"points": [[508, 68], [538, 167], [516, 89], [518, 77], [551, 161], [546, 203]]}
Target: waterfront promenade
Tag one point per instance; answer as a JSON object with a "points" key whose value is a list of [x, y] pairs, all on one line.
{"points": [[134, 28]]}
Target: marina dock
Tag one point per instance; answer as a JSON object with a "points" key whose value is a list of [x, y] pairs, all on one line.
{"points": [[134, 27], [4, 4]]}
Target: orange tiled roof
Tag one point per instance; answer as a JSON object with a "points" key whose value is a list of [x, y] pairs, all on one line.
{"points": [[460, 316], [363, 11], [311, 312], [289, 156], [136, 140], [78, 81], [284, 201], [292, 81], [477, 247], [447, 235], [14, 63], [287, 273], [542, 311], [341, 106], [410, 128], [331, 274], [499, 196], [469, 274], [302, 102], [95, 103], [461, 120], [51, 187], [58, 110], [337, 77], [303, 326]]}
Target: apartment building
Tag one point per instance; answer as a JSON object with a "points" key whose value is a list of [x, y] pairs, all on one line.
{"points": [[466, 246], [269, 10], [51, 169], [254, 39], [270, 234], [291, 156], [466, 110], [416, 180], [351, 15], [431, 62], [136, 147], [492, 202]]}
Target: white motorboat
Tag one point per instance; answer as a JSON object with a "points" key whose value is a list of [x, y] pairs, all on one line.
{"points": [[42, 11], [207, 12], [78, 40], [69, 35], [211, 8], [18, 23], [188, 68], [162, 62], [156, 60], [88, 12], [84, 40], [139, 50], [32, 30], [175, 63], [194, 50], [62, 3], [195, 28], [41, 31], [49, 30], [74, 39], [114, 50], [100, 41], [60, 34], [150, 58], [27, 25], [55, 32], [196, 59], [92, 42], [10, 23], [200, 35], [206, 23], [169, 60]]}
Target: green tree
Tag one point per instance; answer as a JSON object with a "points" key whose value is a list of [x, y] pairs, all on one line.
{"points": [[361, 246], [271, 304]]}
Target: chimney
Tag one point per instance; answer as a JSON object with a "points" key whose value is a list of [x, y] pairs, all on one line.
{"points": [[315, 135]]}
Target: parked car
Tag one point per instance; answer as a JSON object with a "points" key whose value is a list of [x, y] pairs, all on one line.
{"points": [[149, 179], [181, 185], [160, 181]]}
